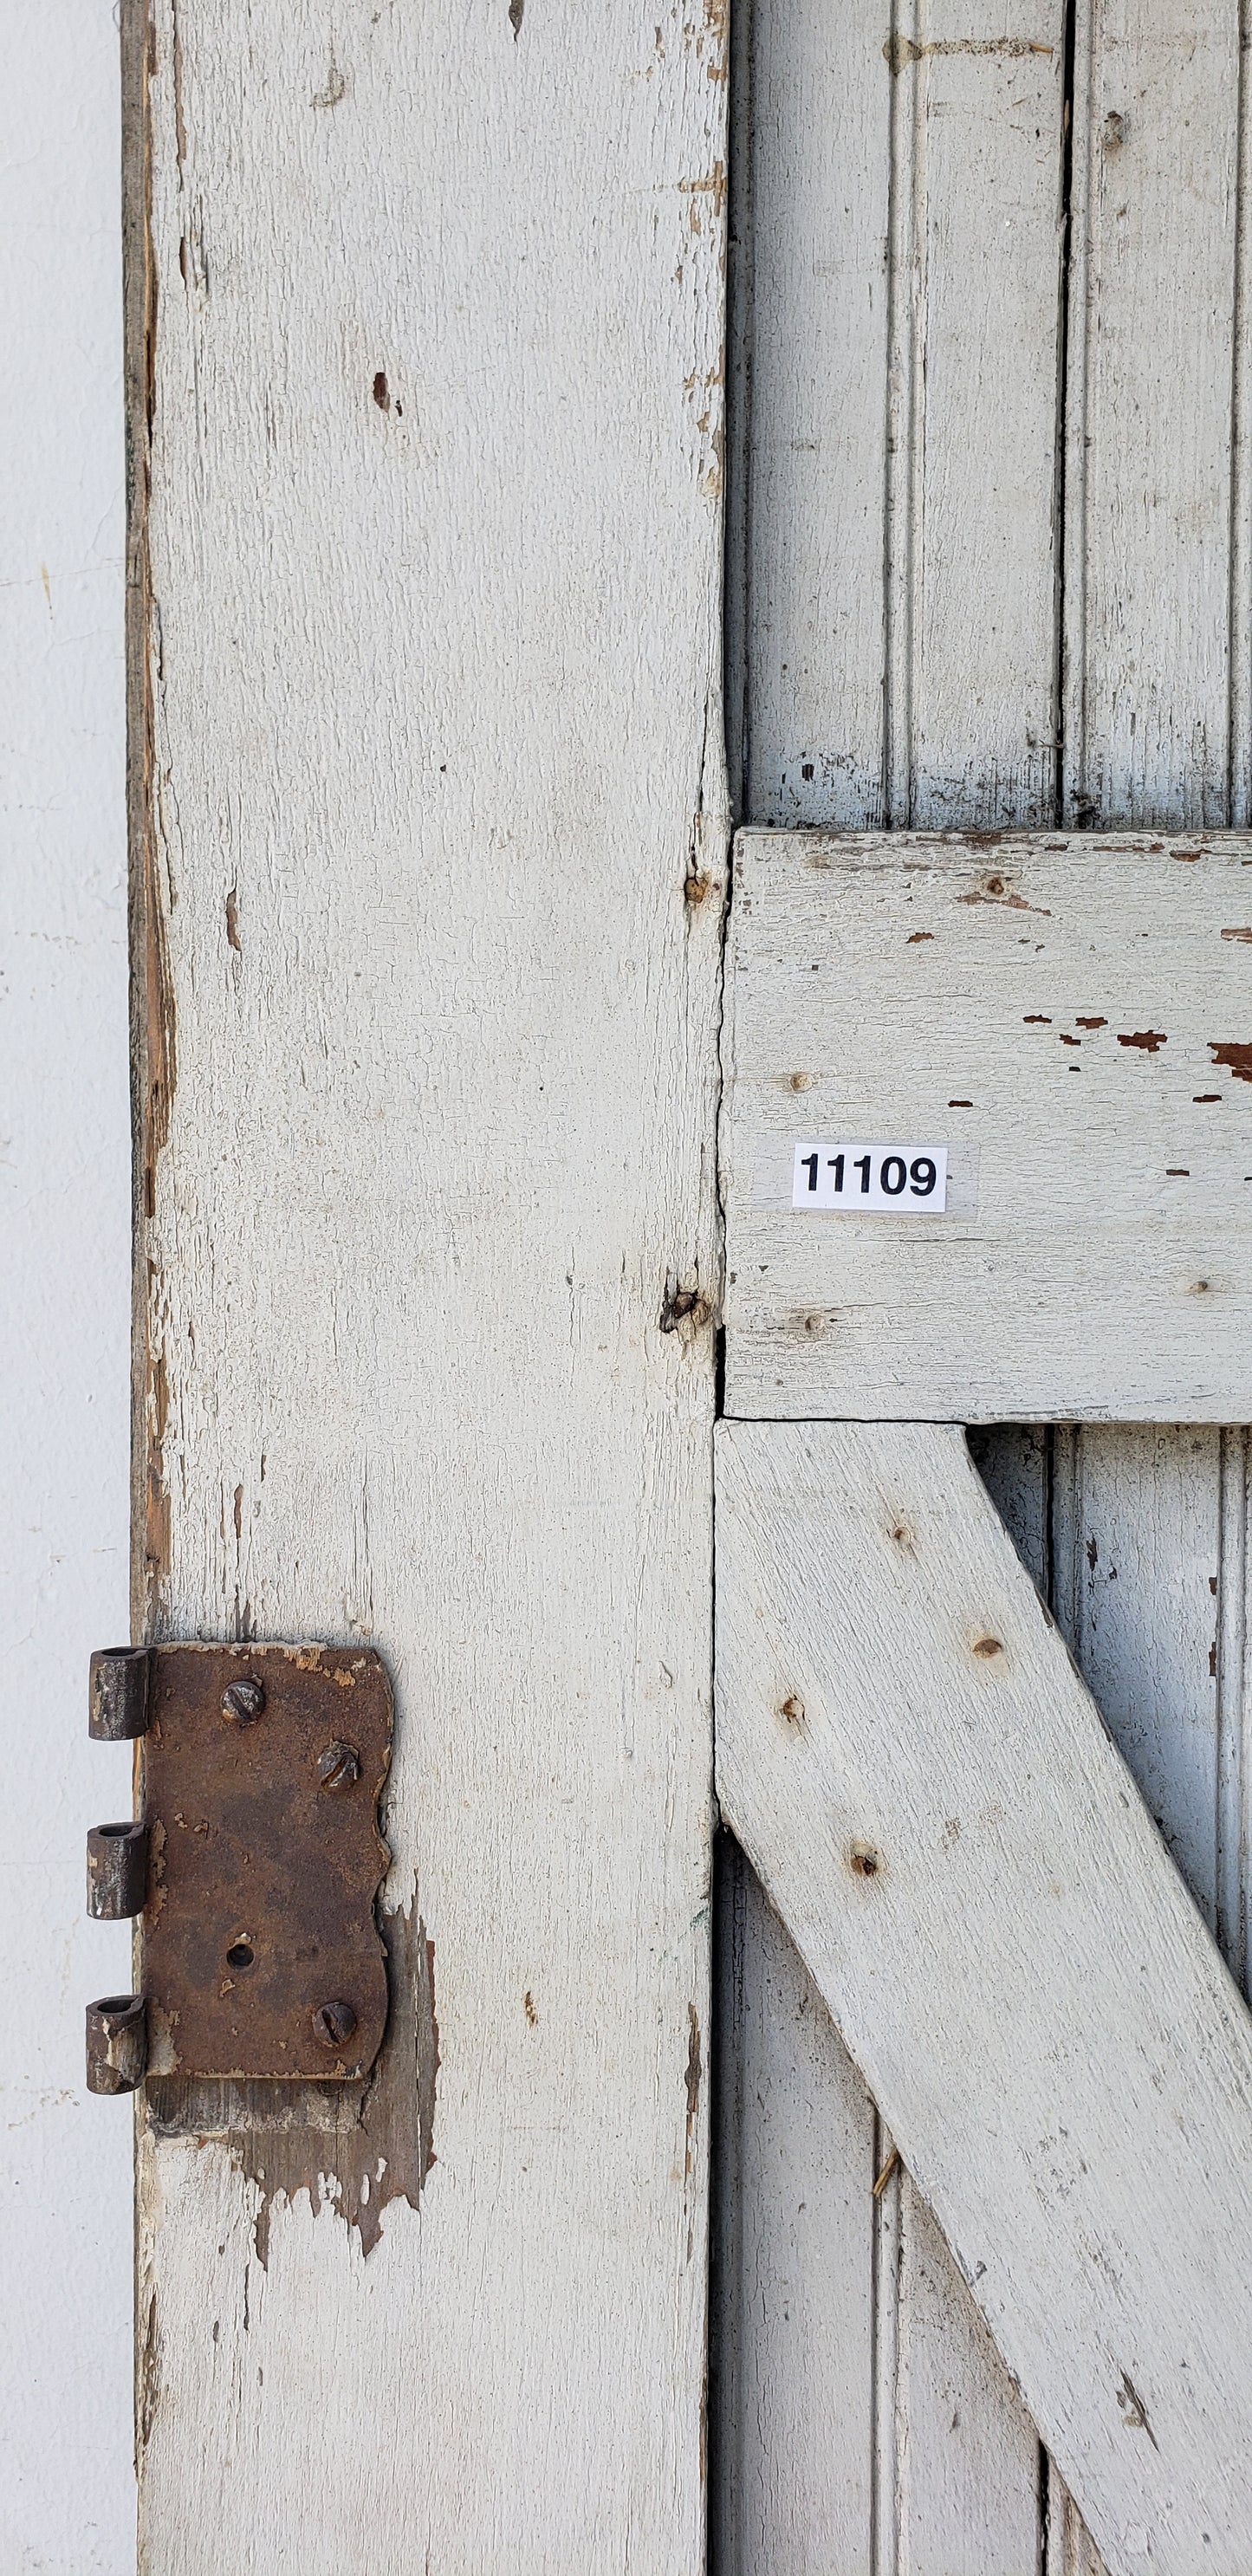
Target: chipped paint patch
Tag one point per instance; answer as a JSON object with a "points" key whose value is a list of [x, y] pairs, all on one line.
{"points": [[901, 51], [1235, 1054]]}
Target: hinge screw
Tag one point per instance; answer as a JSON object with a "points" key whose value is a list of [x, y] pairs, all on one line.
{"points": [[243, 1701], [339, 1767], [333, 2023]]}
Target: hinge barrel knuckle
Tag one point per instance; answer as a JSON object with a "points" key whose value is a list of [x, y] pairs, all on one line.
{"points": [[117, 2043], [117, 1871], [118, 1705]]}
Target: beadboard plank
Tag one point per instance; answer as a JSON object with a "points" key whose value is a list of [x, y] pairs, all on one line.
{"points": [[432, 953], [793, 2415], [1156, 491], [1066, 1017], [1070, 1992], [971, 527], [807, 597], [967, 2477], [1137, 1524], [892, 599]]}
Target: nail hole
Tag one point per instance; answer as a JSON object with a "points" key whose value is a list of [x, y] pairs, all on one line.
{"points": [[865, 1860], [240, 1954], [987, 1647]]}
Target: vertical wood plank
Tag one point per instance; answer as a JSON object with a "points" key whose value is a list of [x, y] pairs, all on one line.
{"points": [[972, 414], [795, 2478], [811, 342], [1158, 730], [968, 2452], [434, 811], [898, 651], [1154, 362], [1137, 1551], [1234, 1711]]}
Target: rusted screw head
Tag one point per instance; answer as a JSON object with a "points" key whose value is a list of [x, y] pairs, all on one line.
{"points": [[339, 1767], [243, 1701], [333, 2024]]}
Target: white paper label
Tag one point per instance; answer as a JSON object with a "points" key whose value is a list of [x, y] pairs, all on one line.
{"points": [[876, 1180]]}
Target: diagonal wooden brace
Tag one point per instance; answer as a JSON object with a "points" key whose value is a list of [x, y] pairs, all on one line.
{"points": [[919, 1775]]}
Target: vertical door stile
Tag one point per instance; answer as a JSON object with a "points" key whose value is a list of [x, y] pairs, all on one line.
{"points": [[427, 336]]}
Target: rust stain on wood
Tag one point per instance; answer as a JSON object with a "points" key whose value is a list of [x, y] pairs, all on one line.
{"points": [[354, 2148]]}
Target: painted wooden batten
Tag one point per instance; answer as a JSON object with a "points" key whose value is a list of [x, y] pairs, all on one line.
{"points": [[1086, 1001]]}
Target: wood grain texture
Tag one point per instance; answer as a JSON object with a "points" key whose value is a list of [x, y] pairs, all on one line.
{"points": [[1078, 2150], [1156, 491], [1063, 1016], [967, 2453], [896, 348], [434, 822], [793, 2411]]}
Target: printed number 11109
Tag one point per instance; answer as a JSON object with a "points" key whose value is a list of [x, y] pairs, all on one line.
{"points": [[882, 1180]]}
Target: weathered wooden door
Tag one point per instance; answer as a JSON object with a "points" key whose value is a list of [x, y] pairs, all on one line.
{"points": [[989, 568], [427, 363]]}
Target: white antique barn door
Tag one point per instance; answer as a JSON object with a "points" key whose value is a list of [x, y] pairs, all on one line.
{"points": [[427, 358], [989, 568]]}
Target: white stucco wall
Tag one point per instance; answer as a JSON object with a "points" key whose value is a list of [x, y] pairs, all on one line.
{"points": [[66, 2486]]}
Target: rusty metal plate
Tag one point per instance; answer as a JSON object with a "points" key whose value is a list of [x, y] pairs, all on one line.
{"points": [[261, 1770]]}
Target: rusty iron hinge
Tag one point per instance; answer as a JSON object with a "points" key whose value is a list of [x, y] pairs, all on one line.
{"points": [[252, 1865]]}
